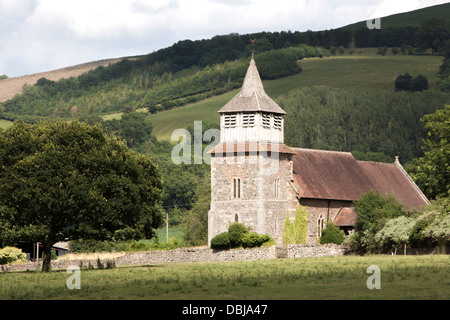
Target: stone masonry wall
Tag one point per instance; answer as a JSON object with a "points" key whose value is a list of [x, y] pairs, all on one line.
{"points": [[198, 254], [265, 193]]}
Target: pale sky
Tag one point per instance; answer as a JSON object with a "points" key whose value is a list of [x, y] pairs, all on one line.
{"points": [[42, 35]]}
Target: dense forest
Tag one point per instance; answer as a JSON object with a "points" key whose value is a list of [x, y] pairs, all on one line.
{"points": [[349, 120]]}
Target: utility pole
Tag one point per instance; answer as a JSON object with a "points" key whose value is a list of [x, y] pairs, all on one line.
{"points": [[167, 226]]}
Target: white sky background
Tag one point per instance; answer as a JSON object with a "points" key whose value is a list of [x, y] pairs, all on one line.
{"points": [[42, 35]]}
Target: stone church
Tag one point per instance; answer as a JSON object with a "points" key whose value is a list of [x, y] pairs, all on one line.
{"points": [[257, 180]]}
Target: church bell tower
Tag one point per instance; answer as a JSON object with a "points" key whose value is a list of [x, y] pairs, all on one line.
{"points": [[252, 115], [251, 166]]}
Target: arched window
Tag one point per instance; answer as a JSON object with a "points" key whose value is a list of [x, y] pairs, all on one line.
{"points": [[319, 226], [236, 218]]}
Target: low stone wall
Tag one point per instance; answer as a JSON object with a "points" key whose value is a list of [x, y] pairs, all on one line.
{"points": [[312, 251], [62, 264], [196, 255], [199, 254]]}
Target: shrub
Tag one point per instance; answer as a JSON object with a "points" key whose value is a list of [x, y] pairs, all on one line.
{"points": [[90, 245], [276, 64], [443, 85], [419, 83], [236, 233], [438, 231], [238, 236], [408, 83], [172, 244], [127, 233], [332, 234], [10, 255], [254, 239], [403, 82], [395, 233], [382, 50], [417, 238], [221, 241], [138, 246]]}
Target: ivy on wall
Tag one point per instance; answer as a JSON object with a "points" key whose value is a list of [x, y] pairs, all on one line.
{"points": [[295, 232]]}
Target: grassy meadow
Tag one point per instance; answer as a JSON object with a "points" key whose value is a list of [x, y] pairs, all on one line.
{"points": [[5, 124], [402, 277], [363, 69]]}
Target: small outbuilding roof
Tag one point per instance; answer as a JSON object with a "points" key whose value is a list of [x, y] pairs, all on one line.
{"points": [[346, 217]]}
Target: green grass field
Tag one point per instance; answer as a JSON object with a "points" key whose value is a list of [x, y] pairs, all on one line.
{"points": [[345, 277], [364, 70], [5, 124], [164, 123]]}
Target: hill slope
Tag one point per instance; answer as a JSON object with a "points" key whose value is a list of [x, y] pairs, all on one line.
{"points": [[10, 87], [365, 71], [408, 19]]}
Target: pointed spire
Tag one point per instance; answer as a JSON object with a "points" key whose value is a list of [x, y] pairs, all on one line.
{"points": [[252, 81], [252, 96]]}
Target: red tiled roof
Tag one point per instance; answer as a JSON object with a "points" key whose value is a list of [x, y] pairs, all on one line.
{"points": [[334, 175], [346, 217], [389, 178], [328, 175]]}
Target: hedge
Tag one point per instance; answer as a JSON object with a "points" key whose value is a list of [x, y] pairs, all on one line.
{"points": [[238, 236]]}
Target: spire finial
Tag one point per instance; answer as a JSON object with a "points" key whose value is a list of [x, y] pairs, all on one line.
{"points": [[253, 47]]}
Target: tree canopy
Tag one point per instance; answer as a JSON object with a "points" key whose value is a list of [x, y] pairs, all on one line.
{"points": [[432, 171], [433, 34], [321, 117], [373, 211], [63, 180]]}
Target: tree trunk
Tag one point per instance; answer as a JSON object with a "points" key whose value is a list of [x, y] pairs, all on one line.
{"points": [[46, 261]]}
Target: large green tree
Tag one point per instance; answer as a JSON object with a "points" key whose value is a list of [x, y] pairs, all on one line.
{"points": [[432, 171], [373, 210], [195, 221], [63, 180]]}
